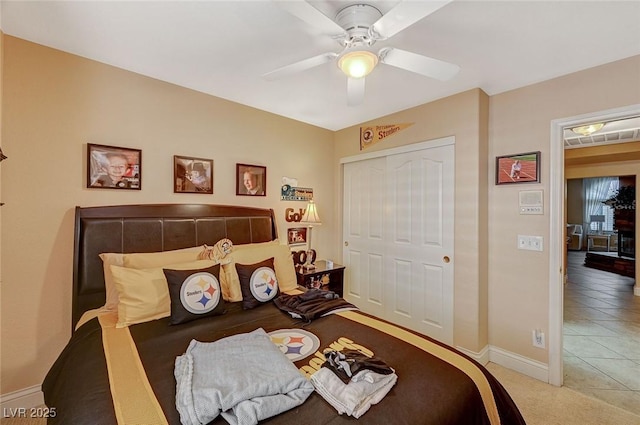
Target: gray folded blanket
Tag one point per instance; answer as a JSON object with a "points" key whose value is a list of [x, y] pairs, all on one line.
{"points": [[244, 377]]}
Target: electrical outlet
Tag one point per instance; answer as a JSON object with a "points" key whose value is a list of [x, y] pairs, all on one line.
{"points": [[537, 337]]}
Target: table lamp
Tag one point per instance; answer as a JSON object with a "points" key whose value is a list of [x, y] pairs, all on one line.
{"points": [[597, 219], [310, 218]]}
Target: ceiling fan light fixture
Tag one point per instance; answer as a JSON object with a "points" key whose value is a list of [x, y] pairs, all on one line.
{"points": [[357, 63], [587, 130]]}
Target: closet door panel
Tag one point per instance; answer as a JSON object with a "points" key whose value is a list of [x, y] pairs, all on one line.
{"points": [[398, 235]]}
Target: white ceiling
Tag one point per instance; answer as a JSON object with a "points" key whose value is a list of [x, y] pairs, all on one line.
{"points": [[223, 47]]}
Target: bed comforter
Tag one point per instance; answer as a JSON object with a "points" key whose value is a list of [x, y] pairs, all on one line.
{"points": [[436, 385]]}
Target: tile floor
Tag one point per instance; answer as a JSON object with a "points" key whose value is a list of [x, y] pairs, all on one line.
{"points": [[601, 335]]}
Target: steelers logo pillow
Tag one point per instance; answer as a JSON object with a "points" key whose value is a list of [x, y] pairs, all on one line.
{"points": [[258, 283], [194, 294]]}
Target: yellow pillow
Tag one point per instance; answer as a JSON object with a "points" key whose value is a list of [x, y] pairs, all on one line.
{"points": [[147, 260], [247, 254], [140, 261], [144, 293], [108, 260]]}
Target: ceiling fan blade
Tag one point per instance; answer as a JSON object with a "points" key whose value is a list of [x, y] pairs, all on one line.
{"points": [[312, 16], [355, 91], [405, 14], [419, 64], [296, 67]]}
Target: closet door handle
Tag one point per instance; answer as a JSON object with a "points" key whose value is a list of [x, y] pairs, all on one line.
{"points": [[446, 259], [346, 243]]}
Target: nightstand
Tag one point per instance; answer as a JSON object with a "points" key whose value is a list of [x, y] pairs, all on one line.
{"points": [[323, 277]]}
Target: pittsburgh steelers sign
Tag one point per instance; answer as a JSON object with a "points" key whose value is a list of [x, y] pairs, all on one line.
{"points": [[263, 284], [200, 293], [373, 134]]}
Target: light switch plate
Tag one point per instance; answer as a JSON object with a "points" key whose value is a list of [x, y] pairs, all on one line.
{"points": [[530, 243]]}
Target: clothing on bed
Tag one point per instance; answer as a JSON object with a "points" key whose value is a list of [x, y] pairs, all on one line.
{"points": [[312, 304], [244, 377], [365, 389], [355, 382], [347, 363]]}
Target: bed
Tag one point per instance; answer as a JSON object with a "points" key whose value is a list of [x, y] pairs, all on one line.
{"points": [[97, 381]]}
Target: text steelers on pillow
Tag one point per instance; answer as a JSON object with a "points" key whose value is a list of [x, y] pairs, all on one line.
{"points": [[194, 294], [258, 283]]}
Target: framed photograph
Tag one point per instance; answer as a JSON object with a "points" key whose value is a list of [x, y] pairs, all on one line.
{"points": [[113, 167], [251, 180], [518, 168], [192, 175], [297, 236]]}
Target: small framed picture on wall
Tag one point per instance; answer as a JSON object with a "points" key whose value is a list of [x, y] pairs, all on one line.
{"points": [[192, 175], [113, 167], [518, 168], [251, 180]]}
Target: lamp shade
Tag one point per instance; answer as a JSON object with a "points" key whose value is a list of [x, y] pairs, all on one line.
{"points": [[597, 218], [357, 63], [587, 130], [311, 214]]}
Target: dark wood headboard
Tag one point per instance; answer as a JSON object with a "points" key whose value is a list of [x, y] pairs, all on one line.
{"points": [[153, 228]]}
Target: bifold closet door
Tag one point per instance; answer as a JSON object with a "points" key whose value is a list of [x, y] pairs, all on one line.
{"points": [[398, 236], [363, 233]]}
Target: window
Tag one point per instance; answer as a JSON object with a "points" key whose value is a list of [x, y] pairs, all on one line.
{"points": [[596, 191]]}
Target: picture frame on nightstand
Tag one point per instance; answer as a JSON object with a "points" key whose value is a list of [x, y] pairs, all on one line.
{"points": [[322, 276]]}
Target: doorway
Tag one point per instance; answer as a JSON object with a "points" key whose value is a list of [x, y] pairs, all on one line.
{"points": [[557, 245], [601, 314]]}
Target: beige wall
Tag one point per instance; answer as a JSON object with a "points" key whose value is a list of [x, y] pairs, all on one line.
{"points": [[520, 122], [54, 103], [492, 278], [575, 202], [464, 116]]}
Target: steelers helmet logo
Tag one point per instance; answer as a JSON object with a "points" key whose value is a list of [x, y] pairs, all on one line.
{"points": [[200, 293], [296, 344], [263, 284]]}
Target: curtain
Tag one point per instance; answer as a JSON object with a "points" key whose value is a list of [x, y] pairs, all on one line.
{"points": [[596, 191]]}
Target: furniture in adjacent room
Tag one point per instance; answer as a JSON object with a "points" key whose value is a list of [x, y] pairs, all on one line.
{"points": [[598, 243], [613, 241], [599, 220], [612, 263], [324, 276], [625, 217], [574, 237], [626, 244]]}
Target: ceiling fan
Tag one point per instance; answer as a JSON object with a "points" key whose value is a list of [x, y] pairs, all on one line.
{"points": [[357, 27]]}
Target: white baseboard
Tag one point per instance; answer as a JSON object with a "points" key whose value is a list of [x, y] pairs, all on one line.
{"points": [[481, 357], [524, 365], [25, 398]]}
